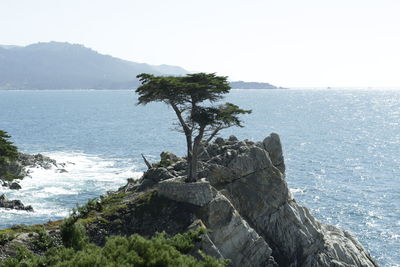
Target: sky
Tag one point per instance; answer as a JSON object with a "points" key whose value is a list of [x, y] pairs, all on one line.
{"points": [[290, 43]]}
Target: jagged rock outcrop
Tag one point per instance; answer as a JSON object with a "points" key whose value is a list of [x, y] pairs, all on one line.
{"points": [[244, 199], [13, 204], [38, 160], [260, 194], [18, 168], [272, 144], [232, 236]]}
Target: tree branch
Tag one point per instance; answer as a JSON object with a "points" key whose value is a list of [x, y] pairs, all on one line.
{"points": [[214, 133], [180, 118], [146, 162]]}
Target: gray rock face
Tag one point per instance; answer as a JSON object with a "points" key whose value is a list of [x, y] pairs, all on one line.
{"points": [[37, 160], [199, 193], [232, 235], [272, 144], [260, 194], [153, 176], [252, 215], [13, 204]]}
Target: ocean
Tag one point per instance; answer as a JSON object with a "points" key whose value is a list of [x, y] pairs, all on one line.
{"points": [[341, 148]]}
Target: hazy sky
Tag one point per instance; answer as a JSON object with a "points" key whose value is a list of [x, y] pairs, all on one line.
{"points": [[286, 42]]}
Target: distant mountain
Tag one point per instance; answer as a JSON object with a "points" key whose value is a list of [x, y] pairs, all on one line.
{"points": [[252, 85], [8, 46], [56, 65]]}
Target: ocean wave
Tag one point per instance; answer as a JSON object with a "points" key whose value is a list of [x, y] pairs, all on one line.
{"points": [[53, 193]]}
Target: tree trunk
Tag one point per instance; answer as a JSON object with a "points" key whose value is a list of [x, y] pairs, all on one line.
{"points": [[189, 143], [192, 177], [193, 163]]}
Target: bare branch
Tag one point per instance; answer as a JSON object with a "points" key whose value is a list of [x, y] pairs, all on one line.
{"points": [[146, 162]]}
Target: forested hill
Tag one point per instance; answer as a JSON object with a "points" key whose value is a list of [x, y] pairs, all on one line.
{"points": [[57, 65], [252, 85]]}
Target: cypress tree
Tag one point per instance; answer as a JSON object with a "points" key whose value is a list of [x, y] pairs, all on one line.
{"points": [[8, 154]]}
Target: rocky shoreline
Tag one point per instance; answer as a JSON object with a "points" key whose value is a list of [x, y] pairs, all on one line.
{"points": [[19, 169], [242, 199], [13, 204]]}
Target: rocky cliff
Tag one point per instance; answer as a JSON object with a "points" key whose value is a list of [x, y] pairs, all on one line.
{"points": [[243, 200]]}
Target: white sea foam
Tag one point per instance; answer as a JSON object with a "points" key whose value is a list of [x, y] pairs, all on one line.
{"points": [[296, 191], [53, 193]]}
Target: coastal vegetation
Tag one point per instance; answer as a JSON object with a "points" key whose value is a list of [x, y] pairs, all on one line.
{"points": [[8, 154], [134, 250], [66, 242]]}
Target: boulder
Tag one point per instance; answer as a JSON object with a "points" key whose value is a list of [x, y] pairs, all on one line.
{"points": [[13, 204], [219, 141], [153, 176], [14, 186], [198, 194], [37, 160], [169, 156], [272, 144], [232, 138]]}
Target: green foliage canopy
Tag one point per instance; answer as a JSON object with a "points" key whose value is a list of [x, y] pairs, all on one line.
{"points": [[122, 251], [7, 150], [8, 153]]}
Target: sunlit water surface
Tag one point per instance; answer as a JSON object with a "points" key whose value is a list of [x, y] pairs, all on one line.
{"points": [[342, 151]]}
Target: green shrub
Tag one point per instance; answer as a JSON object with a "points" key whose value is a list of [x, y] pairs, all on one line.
{"points": [[5, 238], [90, 206], [185, 242], [122, 251], [73, 234], [113, 198], [165, 160], [43, 241], [22, 258]]}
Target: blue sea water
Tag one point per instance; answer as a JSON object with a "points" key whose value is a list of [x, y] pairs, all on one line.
{"points": [[342, 151]]}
